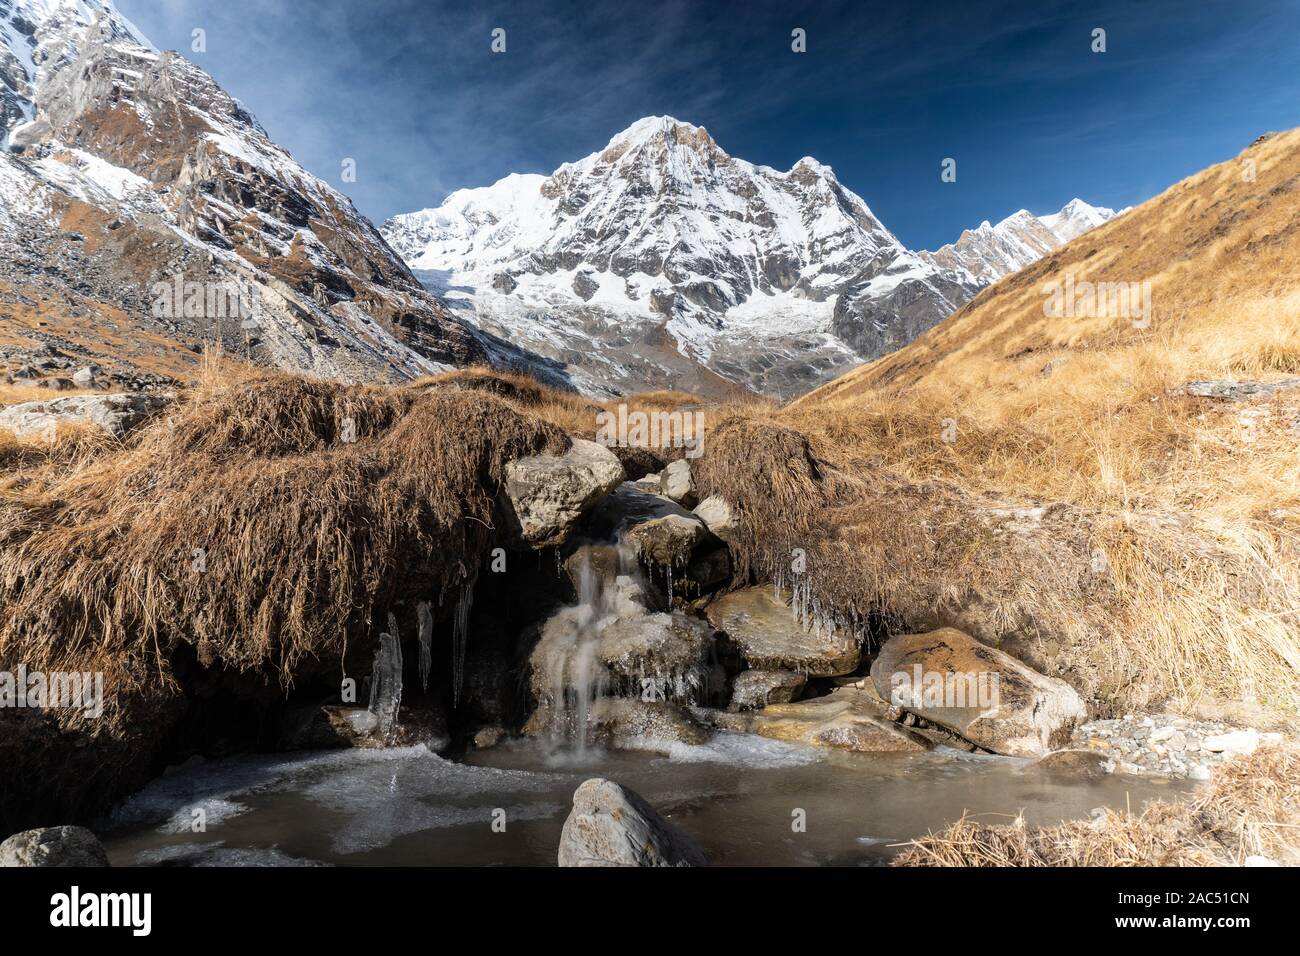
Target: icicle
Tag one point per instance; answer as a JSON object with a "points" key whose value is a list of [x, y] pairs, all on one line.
{"points": [[386, 682], [460, 636], [425, 615]]}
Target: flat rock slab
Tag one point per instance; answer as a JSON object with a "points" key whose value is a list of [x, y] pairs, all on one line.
{"points": [[630, 504], [977, 691], [611, 825], [768, 636], [114, 414], [1229, 391], [846, 719]]}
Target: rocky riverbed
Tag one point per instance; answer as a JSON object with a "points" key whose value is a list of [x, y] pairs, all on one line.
{"points": [[1166, 744]]}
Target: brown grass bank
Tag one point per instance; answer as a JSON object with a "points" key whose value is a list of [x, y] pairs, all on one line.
{"points": [[262, 528], [1250, 807]]}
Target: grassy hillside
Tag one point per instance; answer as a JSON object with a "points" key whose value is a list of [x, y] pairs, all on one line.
{"points": [[1190, 497]]}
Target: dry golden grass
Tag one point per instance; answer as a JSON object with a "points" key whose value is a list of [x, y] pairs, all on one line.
{"points": [[21, 394], [1250, 807], [305, 534], [1192, 505]]}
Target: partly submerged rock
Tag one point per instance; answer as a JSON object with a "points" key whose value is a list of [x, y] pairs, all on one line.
{"points": [[1075, 763], [766, 634], [114, 414], [755, 689], [845, 719], [613, 826], [334, 726], [53, 846], [630, 723], [985, 695], [547, 494]]}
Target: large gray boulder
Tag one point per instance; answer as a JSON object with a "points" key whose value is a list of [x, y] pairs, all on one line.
{"points": [[613, 826], [547, 494], [53, 846], [977, 691], [114, 414], [768, 636]]}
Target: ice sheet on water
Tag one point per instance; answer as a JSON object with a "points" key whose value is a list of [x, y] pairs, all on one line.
{"points": [[217, 854], [380, 795], [215, 810], [745, 750], [199, 782]]}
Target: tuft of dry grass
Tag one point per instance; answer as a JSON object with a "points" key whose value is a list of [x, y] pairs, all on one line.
{"points": [[1250, 807]]}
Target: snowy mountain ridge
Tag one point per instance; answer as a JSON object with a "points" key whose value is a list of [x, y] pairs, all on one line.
{"points": [[661, 242]]}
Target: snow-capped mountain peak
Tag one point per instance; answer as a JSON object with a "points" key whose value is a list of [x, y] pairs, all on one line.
{"points": [[170, 180], [990, 251], [770, 279], [1076, 218]]}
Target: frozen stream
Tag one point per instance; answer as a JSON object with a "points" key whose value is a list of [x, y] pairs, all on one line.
{"points": [[737, 796]]}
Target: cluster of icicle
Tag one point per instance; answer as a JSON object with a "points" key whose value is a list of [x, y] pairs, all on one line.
{"points": [[811, 613], [386, 672]]}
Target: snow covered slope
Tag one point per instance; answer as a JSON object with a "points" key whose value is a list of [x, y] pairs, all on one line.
{"points": [[126, 168], [662, 255], [38, 37]]}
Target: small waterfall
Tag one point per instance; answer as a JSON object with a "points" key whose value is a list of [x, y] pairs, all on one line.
{"points": [[425, 615], [574, 676], [386, 681]]}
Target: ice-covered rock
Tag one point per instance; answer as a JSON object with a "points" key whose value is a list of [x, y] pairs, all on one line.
{"points": [[755, 689], [769, 636], [667, 542]]}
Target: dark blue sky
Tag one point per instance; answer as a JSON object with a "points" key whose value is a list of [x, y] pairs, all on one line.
{"points": [[884, 93]]}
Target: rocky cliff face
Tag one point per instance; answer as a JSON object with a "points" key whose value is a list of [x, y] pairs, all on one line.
{"points": [[129, 172], [662, 247]]}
